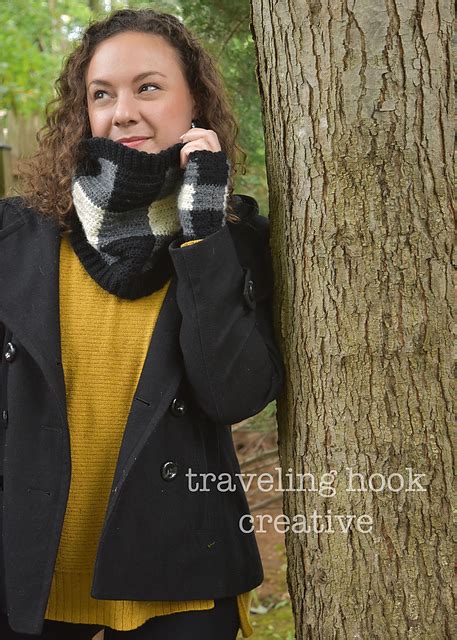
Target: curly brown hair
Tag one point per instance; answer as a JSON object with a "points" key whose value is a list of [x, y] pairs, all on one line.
{"points": [[47, 176]]}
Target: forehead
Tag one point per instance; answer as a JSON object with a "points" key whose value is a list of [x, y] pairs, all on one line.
{"points": [[133, 52]]}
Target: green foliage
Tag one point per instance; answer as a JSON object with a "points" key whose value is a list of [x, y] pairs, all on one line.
{"points": [[277, 623], [35, 38], [38, 34], [263, 421]]}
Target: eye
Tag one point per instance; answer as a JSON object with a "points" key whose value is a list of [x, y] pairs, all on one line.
{"points": [[148, 84], [96, 94]]}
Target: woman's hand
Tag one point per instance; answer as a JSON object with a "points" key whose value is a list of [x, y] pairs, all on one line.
{"points": [[196, 140], [202, 199]]}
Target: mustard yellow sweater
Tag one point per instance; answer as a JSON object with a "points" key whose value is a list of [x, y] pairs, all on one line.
{"points": [[104, 344]]}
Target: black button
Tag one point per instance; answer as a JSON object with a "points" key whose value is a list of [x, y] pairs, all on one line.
{"points": [[249, 290], [178, 407], [169, 470], [10, 352]]}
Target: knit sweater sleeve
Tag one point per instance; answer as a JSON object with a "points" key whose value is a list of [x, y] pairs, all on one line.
{"points": [[189, 242]]}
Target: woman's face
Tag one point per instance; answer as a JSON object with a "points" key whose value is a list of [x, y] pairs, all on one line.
{"points": [[137, 93]]}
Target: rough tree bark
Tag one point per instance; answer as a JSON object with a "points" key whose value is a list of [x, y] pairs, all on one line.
{"points": [[358, 111]]}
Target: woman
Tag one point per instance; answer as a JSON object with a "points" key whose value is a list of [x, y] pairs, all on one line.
{"points": [[135, 319]]}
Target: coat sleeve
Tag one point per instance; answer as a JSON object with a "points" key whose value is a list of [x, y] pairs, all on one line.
{"points": [[224, 290]]}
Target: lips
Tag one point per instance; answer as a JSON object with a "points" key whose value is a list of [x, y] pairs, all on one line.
{"points": [[134, 141]]}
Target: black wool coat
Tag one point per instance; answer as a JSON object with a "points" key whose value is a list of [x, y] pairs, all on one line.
{"points": [[212, 361]]}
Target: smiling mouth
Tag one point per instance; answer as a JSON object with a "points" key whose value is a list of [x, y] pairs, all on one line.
{"points": [[132, 142]]}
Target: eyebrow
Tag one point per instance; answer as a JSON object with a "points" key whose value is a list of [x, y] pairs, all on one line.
{"points": [[137, 78]]}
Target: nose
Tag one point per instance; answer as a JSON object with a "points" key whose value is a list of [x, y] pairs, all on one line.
{"points": [[125, 111]]}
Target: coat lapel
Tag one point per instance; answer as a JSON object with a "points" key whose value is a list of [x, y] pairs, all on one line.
{"points": [[159, 379], [29, 306]]}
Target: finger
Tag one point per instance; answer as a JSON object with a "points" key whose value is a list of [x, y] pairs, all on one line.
{"points": [[202, 143], [197, 145], [183, 159], [194, 134], [184, 153]]}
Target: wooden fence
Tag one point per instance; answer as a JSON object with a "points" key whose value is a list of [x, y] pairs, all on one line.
{"points": [[17, 141]]}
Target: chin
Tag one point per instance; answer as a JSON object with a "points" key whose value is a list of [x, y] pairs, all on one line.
{"points": [[151, 147]]}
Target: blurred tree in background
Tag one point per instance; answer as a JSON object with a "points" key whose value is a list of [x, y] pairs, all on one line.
{"points": [[38, 34]]}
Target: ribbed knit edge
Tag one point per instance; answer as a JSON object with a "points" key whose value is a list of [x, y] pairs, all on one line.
{"points": [[214, 165], [244, 605], [71, 602], [132, 160]]}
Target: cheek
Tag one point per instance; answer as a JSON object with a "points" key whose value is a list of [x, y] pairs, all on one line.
{"points": [[170, 113], [100, 122]]}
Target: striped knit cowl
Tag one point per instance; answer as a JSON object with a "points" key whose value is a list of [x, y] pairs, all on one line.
{"points": [[129, 206]]}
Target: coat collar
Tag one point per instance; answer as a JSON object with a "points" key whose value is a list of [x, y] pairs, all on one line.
{"points": [[29, 307]]}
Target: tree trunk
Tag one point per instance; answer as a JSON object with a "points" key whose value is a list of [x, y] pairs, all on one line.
{"points": [[358, 118]]}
